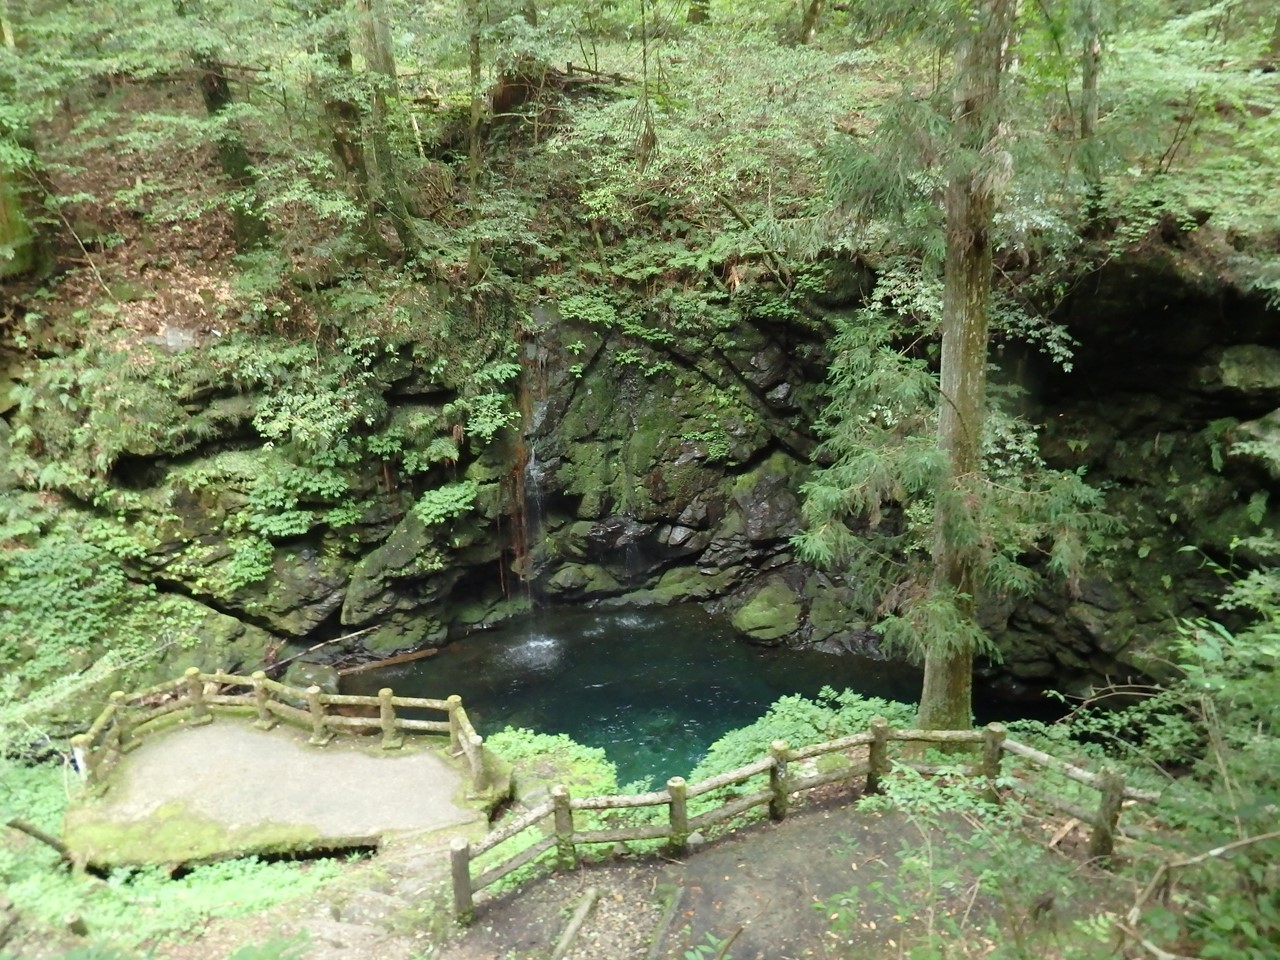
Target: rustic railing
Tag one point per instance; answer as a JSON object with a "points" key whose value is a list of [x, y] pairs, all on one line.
{"points": [[129, 716], [784, 781]]}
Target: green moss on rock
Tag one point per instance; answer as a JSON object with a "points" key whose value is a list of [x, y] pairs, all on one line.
{"points": [[175, 834], [773, 613], [582, 579], [684, 583]]}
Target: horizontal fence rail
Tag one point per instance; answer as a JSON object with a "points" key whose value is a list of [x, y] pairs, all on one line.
{"points": [[129, 716], [554, 820]]}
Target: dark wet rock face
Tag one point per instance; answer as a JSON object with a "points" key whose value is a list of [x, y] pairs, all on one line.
{"points": [[634, 484], [1174, 375]]}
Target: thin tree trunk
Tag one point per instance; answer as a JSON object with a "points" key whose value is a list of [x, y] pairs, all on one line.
{"points": [[249, 225], [474, 64], [809, 26], [17, 240], [1090, 68], [946, 700], [6, 28], [473, 131], [375, 42]]}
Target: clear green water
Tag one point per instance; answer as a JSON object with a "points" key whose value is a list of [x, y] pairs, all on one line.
{"points": [[653, 687]]}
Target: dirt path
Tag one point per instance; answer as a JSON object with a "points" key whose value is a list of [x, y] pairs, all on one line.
{"points": [[764, 887]]}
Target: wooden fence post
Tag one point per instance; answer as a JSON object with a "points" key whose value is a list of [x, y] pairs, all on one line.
{"points": [[677, 790], [464, 907], [125, 740], [1103, 839], [566, 853], [878, 756], [82, 754], [195, 698], [455, 725], [475, 758], [391, 740], [993, 738], [778, 780], [320, 733], [261, 697]]}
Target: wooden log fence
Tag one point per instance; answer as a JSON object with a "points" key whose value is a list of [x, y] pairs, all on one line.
{"points": [[554, 823], [780, 775], [196, 697]]}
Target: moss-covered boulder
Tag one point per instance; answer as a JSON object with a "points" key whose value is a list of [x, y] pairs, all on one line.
{"points": [[409, 568], [773, 613], [1246, 370], [581, 581]]}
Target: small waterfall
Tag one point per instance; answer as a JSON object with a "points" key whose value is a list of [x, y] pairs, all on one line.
{"points": [[526, 476], [532, 491], [632, 563], [540, 651]]}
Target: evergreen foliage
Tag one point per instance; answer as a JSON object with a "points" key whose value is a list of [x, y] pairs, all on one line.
{"points": [[872, 509], [959, 158], [1209, 738]]}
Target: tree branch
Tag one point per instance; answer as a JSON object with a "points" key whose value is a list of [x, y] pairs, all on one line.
{"points": [[48, 839]]}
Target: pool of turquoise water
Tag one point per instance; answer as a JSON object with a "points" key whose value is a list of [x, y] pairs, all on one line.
{"points": [[654, 687]]}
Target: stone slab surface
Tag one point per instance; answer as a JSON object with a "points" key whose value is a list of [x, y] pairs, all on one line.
{"points": [[226, 788]]}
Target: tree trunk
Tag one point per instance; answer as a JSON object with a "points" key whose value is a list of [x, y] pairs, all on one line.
{"points": [[17, 240], [970, 202], [699, 12], [474, 65], [344, 129], [474, 69], [380, 66], [809, 26], [6, 29], [344, 121], [249, 225], [1090, 67]]}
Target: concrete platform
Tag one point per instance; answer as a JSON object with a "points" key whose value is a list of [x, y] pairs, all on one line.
{"points": [[227, 789]]}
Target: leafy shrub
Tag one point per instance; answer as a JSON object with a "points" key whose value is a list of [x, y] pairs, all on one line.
{"points": [[552, 759], [277, 948], [967, 873], [587, 771], [69, 598], [800, 721], [445, 503]]}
